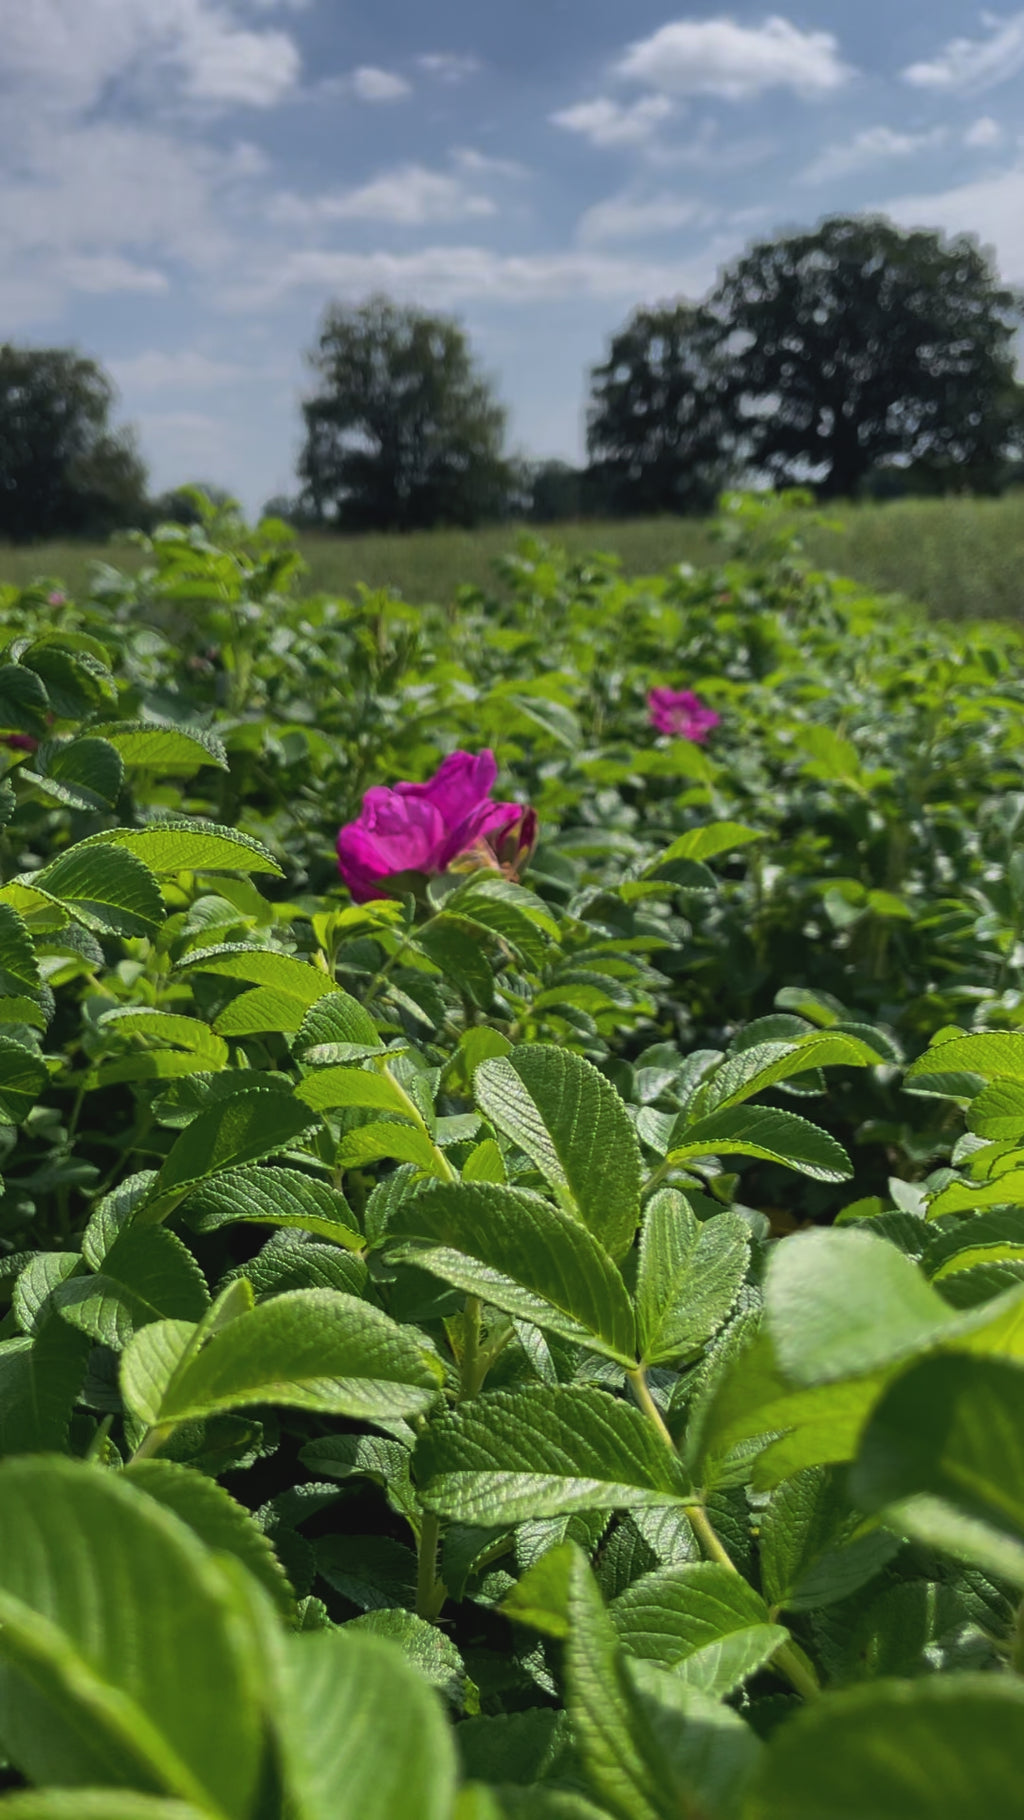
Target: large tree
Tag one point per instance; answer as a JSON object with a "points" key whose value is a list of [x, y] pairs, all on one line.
{"points": [[659, 437], [64, 472], [403, 432], [860, 345]]}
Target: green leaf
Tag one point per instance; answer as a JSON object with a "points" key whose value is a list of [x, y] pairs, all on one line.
{"points": [[19, 969], [689, 1276], [40, 1379], [252, 1125], [273, 1196], [336, 1018], [998, 1055], [106, 889], [220, 1522], [23, 1077], [938, 1748], [362, 1735], [95, 1804], [263, 967], [176, 1711], [839, 1303], [512, 1455], [167, 1029], [190, 846], [952, 1428], [702, 1621], [706, 843], [23, 700], [306, 1349], [85, 773], [522, 1255], [77, 683], [750, 1071], [425, 1648], [265, 1008], [761, 1131], [814, 1549], [147, 1275], [404, 1143], [170, 751], [328, 1088], [573, 1126]]}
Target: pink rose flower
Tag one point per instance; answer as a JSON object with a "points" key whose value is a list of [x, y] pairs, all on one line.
{"points": [[56, 599], [681, 713], [419, 830]]}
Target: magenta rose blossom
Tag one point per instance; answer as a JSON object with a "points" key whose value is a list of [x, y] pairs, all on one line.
{"points": [[680, 712], [448, 823]]}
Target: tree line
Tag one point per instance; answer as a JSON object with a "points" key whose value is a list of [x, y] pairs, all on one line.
{"points": [[858, 359]]}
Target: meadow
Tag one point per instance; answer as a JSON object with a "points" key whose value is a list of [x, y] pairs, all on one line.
{"points": [[961, 558], [512, 1206]]}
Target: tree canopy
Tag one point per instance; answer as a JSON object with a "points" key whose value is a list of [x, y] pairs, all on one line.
{"points": [[658, 437], [63, 470], [860, 345], [403, 432]]}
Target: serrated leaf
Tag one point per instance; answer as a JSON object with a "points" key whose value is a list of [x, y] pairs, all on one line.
{"points": [[706, 842], [263, 967], [329, 1088], [761, 1131], [88, 766], [306, 1349], [522, 1255], [231, 1132], [19, 968], [751, 1071], [509, 1455], [403, 1143], [264, 1008], [40, 1378], [147, 1275], [573, 1126], [997, 1055], [810, 1550], [689, 1276], [702, 1621], [190, 846], [273, 1196], [23, 1077], [178, 1713], [23, 700], [107, 890], [171, 751]]}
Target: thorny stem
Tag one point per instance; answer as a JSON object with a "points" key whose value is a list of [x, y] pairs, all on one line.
{"points": [[788, 1658]]}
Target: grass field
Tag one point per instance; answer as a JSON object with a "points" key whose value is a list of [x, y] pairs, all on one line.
{"points": [[962, 558]]}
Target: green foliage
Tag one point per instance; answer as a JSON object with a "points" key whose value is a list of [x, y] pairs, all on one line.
{"points": [[546, 1348]]}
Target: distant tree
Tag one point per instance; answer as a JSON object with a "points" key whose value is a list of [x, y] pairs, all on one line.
{"points": [[659, 435], [402, 432], [64, 472], [860, 345], [183, 505], [554, 491]]}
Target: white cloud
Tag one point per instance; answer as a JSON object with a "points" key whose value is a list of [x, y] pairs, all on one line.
{"points": [[158, 370], [992, 210], [409, 196], [447, 276], [983, 132], [449, 66], [69, 52], [720, 57], [607, 122], [103, 273], [480, 164], [369, 83], [968, 65], [628, 217], [875, 145]]}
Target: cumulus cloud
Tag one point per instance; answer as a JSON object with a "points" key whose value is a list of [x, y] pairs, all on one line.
{"points": [[104, 273], [721, 57], [607, 122], [368, 83], [449, 66], [448, 276], [968, 65], [184, 370], [983, 132], [70, 52], [481, 164], [992, 210], [630, 217], [875, 145], [409, 196]]}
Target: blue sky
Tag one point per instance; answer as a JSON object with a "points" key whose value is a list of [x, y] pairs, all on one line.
{"points": [[186, 183]]}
